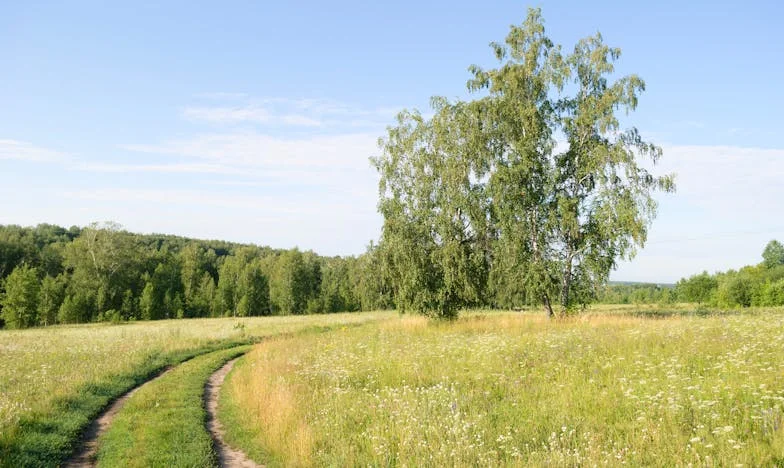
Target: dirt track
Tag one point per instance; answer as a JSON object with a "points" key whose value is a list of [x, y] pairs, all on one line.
{"points": [[88, 448], [227, 456]]}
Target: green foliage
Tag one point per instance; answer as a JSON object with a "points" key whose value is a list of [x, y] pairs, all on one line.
{"points": [[772, 293], [337, 290], [479, 199], [102, 273], [698, 288], [254, 288], [636, 293], [751, 286], [51, 297], [736, 290], [292, 282], [773, 255], [20, 300]]}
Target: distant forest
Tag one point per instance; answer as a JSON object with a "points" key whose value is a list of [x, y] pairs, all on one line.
{"points": [[50, 275], [760, 285]]}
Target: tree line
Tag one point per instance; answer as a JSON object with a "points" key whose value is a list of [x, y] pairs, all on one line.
{"points": [[51, 275], [637, 293], [760, 285]]}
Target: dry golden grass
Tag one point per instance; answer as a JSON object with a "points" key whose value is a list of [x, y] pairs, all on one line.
{"points": [[42, 365], [517, 389]]}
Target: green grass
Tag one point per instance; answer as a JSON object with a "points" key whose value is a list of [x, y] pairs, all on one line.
{"points": [[163, 424], [55, 381], [517, 390]]}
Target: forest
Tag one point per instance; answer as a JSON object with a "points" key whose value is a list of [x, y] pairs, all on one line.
{"points": [[760, 285], [50, 274]]}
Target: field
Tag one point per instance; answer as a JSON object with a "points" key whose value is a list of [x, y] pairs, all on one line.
{"points": [[492, 388], [54, 380], [615, 385]]}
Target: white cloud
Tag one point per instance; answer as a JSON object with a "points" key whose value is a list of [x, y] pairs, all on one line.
{"points": [[290, 112], [227, 114], [222, 96], [161, 168], [339, 163], [262, 150], [262, 204], [304, 186], [727, 206], [23, 151], [740, 183], [301, 120]]}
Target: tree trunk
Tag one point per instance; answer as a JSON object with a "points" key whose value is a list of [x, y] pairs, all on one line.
{"points": [[548, 307], [566, 285]]}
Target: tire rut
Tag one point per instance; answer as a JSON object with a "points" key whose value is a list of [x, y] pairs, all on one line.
{"points": [[227, 456], [85, 455]]}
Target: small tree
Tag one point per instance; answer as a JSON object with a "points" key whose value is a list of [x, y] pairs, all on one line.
{"points": [[20, 301], [697, 288], [255, 291], [289, 283], [773, 255], [52, 294]]}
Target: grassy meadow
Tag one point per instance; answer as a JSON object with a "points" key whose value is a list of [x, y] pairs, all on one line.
{"points": [[163, 423], [494, 388], [54, 380]]}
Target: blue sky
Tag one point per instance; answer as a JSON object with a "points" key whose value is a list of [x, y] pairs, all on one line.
{"points": [[254, 121]]}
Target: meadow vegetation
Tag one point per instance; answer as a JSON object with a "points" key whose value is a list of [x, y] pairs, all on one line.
{"points": [[498, 388], [54, 381], [527, 194], [163, 424]]}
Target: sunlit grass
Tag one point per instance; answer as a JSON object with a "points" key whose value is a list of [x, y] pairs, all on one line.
{"points": [[163, 423], [517, 389], [53, 380]]}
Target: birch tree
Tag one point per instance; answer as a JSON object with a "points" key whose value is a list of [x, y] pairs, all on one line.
{"points": [[535, 180]]}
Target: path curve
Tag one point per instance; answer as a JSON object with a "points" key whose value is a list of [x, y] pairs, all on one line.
{"points": [[227, 456], [85, 455]]}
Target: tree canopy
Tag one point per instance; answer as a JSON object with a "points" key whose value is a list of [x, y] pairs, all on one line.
{"points": [[773, 255], [533, 190], [51, 275]]}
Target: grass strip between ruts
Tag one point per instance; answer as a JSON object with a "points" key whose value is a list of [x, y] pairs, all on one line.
{"points": [[164, 423], [50, 438]]}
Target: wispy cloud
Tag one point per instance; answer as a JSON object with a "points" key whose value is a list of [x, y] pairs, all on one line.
{"points": [[262, 150], [728, 179], [267, 205], [23, 151], [227, 114], [194, 168], [222, 95], [290, 112], [335, 163], [726, 208], [301, 165]]}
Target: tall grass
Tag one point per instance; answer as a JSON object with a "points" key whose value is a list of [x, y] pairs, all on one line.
{"points": [[53, 381], [163, 424], [516, 389]]}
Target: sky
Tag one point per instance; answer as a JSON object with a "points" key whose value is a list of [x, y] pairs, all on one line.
{"points": [[254, 121]]}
